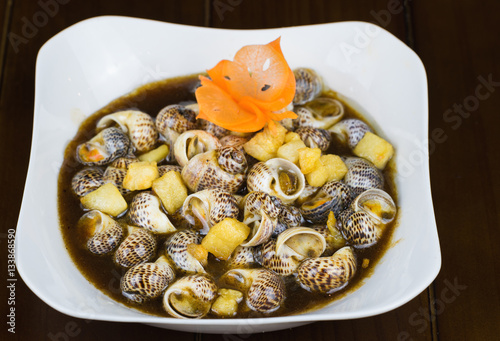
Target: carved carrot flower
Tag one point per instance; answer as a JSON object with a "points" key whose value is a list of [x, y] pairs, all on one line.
{"points": [[249, 92]]}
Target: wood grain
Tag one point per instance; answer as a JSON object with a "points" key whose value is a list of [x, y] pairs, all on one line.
{"points": [[457, 42]]}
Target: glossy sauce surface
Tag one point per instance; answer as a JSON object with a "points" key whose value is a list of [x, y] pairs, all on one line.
{"points": [[105, 275]]}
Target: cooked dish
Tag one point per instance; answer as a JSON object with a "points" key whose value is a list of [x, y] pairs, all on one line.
{"points": [[284, 205]]}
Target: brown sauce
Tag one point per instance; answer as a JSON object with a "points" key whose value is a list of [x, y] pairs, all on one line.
{"points": [[105, 275]]}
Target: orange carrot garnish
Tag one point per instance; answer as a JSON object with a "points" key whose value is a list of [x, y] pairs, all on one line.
{"points": [[246, 94]]}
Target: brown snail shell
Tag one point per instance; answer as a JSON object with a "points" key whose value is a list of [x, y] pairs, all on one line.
{"points": [[322, 113], [109, 144], [333, 196], [173, 120], [261, 214], [308, 85], [139, 126], [87, 180], [314, 137], [103, 233], [284, 254], [350, 131], [327, 274], [278, 177], [177, 249], [137, 248], [242, 257], [223, 168], [145, 211], [362, 224], [362, 175], [146, 281], [209, 207], [163, 169], [265, 291], [193, 142], [190, 296]]}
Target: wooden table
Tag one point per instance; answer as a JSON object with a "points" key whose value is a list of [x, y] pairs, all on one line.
{"points": [[459, 46]]}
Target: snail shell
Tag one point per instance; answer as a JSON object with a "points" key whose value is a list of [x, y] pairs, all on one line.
{"points": [[323, 112], [265, 291], [223, 168], [162, 170], [308, 85], [106, 146], [137, 248], [193, 142], [177, 249], [362, 175], [234, 141], [190, 297], [277, 177], [314, 137], [328, 274], [173, 120], [146, 281], [362, 224], [242, 257], [350, 131], [103, 233], [290, 216], [87, 180], [145, 212], [139, 126], [284, 254], [210, 207], [333, 196], [116, 172], [212, 128], [261, 214]]}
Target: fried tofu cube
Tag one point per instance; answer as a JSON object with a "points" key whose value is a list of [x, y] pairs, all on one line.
{"points": [[291, 136], [308, 158], [224, 237], [155, 155], [374, 149], [226, 304], [171, 190], [319, 176], [140, 175], [290, 150], [336, 168], [106, 199], [264, 145]]}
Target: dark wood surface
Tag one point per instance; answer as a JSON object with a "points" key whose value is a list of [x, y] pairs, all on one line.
{"points": [[459, 46]]}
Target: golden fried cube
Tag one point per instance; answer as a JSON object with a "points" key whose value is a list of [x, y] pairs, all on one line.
{"points": [[308, 157], [171, 190], [319, 176], [226, 304], [155, 155], [290, 150], [291, 136], [140, 175], [106, 199], [336, 168], [264, 145], [224, 237], [374, 149]]}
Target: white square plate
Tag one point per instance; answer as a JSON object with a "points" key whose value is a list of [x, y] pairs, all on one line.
{"points": [[95, 61]]}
